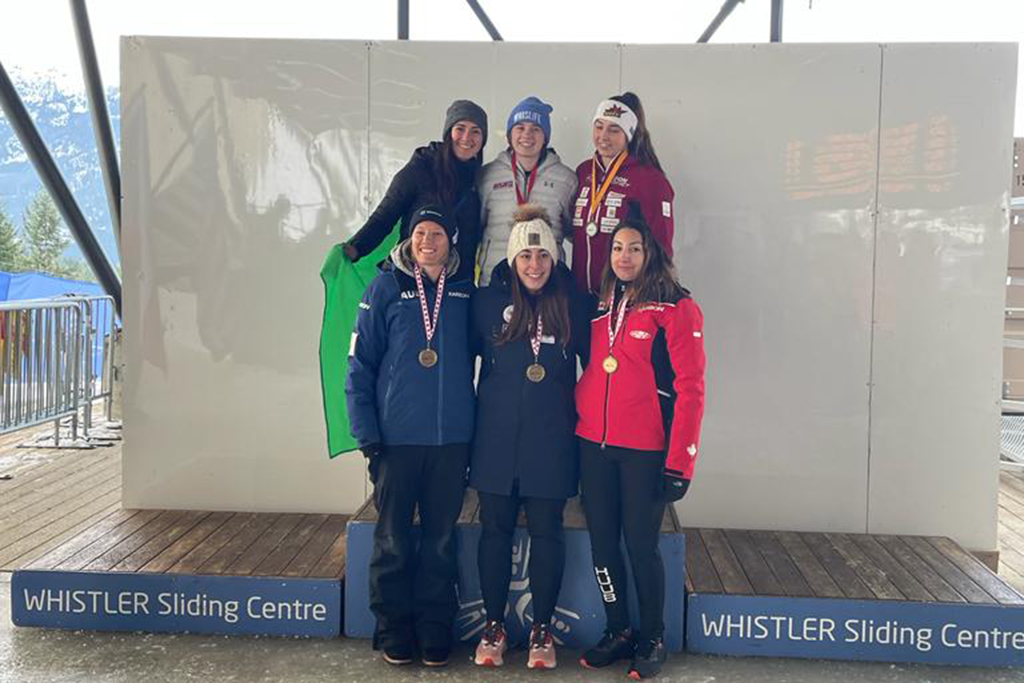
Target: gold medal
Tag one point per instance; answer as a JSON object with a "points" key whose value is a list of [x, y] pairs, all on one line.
{"points": [[428, 358], [596, 195], [535, 372], [610, 364]]}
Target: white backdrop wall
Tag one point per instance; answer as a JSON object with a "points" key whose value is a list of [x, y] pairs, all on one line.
{"points": [[841, 216]]}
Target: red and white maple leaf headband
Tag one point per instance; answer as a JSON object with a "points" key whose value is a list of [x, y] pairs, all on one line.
{"points": [[619, 114]]}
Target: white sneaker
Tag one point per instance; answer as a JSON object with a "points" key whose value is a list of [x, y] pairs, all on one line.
{"points": [[493, 643], [542, 648]]}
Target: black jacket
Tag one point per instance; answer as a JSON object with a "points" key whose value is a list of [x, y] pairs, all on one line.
{"points": [[416, 186], [525, 430]]}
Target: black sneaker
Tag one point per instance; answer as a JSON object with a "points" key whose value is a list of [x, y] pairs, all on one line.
{"points": [[613, 647], [435, 656], [648, 660], [398, 654]]}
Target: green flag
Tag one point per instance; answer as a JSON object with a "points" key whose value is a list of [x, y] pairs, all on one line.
{"points": [[344, 284]]}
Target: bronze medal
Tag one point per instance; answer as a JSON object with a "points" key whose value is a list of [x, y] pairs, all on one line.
{"points": [[535, 372], [428, 358], [610, 364]]}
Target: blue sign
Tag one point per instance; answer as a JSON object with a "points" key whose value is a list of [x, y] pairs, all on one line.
{"points": [[579, 618], [875, 630], [176, 603]]}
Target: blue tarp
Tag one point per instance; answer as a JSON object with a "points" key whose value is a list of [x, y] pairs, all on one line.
{"points": [[20, 286], [23, 286]]}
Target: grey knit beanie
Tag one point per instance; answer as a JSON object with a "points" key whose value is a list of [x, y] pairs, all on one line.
{"points": [[464, 110]]}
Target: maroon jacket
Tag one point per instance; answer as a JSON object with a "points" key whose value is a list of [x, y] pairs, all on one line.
{"points": [[654, 401], [641, 183]]}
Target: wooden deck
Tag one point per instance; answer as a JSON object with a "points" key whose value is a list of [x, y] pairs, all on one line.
{"points": [[1011, 529], [852, 566], [61, 509]]}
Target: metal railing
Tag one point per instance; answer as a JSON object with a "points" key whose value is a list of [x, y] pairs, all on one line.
{"points": [[40, 362], [56, 359], [97, 353]]}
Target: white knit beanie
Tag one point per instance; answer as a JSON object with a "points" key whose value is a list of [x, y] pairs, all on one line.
{"points": [[531, 234]]}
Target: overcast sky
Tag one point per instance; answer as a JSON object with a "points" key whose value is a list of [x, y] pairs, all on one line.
{"points": [[38, 36]]}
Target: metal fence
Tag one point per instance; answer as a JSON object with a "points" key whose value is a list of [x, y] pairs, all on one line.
{"points": [[56, 358]]}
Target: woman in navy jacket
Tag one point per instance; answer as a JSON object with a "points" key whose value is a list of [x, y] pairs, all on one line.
{"points": [[410, 402], [532, 327]]}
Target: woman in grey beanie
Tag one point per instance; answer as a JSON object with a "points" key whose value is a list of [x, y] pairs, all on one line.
{"points": [[442, 173]]}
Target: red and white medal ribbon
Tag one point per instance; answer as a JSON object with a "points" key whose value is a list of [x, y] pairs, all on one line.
{"points": [[535, 340], [429, 326], [520, 197], [613, 331]]}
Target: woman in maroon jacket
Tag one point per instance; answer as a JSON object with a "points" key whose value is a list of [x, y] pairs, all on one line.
{"points": [[639, 402], [624, 168]]}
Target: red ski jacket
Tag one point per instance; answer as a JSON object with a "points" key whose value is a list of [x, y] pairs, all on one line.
{"points": [[654, 400]]}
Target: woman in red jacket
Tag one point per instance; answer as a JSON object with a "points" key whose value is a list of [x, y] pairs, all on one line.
{"points": [[624, 168], [639, 404]]}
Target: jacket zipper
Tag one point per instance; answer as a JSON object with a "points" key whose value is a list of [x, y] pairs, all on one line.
{"points": [[440, 376], [607, 393]]}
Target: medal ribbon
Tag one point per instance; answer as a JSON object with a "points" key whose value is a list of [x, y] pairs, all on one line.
{"points": [[597, 195], [619, 316], [535, 340], [520, 198], [429, 326]]}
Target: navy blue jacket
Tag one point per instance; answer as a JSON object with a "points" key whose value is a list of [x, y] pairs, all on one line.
{"points": [[525, 430], [391, 398]]}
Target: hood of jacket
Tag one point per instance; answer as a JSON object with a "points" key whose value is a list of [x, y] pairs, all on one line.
{"points": [[401, 258]]}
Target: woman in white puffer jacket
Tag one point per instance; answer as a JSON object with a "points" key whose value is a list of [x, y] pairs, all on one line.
{"points": [[540, 178]]}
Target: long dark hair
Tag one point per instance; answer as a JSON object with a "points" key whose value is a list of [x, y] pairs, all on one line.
{"points": [[641, 147], [656, 280], [551, 302], [447, 173]]}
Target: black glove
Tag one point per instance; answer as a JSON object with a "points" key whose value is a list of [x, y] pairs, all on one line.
{"points": [[373, 453], [673, 488]]}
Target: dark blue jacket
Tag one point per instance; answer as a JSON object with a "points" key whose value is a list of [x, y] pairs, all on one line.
{"points": [[391, 398], [525, 430]]}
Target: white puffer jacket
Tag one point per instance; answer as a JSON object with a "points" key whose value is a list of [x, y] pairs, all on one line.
{"points": [[553, 189]]}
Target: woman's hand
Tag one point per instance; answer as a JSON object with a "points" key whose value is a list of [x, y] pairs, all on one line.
{"points": [[373, 453], [673, 488]]}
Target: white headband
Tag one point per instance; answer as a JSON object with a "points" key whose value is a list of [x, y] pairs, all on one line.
{"points": [[622, 116]]}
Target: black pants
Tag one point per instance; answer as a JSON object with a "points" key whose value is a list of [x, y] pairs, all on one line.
{"points": [[498, 516], [620, 498], [412, 586]]}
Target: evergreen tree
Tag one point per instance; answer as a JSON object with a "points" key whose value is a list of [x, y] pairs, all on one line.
{"points": [[11, 254], [45, 235], [76, 269]]}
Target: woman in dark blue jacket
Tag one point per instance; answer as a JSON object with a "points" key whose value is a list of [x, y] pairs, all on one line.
{"points": [[531, 326], [410, 402]]}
